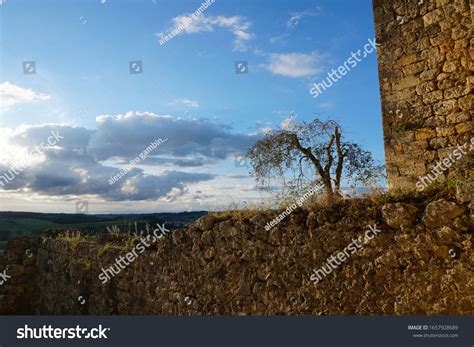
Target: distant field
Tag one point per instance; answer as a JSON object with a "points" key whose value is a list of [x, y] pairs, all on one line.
{"points": [[29, 226], [13, 224], [25, 226]]}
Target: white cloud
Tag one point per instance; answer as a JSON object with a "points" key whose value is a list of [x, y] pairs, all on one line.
{"points": [[116, 137], [186, 102], [66, 170], [293, 22], [297, 16], [237, 25], [11, 95], [82, 162], [288, 123], [295, 64]]}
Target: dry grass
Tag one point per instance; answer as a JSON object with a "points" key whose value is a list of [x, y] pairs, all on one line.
{"points": [[373, 200]]}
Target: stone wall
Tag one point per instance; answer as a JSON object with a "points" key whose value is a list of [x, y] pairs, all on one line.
{"points": [[421, 264], [426, 65], [18, 288]]}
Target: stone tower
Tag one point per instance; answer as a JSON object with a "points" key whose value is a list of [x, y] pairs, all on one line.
{"points": [[426, 63]]}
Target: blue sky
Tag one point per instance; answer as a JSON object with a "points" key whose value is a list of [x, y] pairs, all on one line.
{"points": [[188, 92]]}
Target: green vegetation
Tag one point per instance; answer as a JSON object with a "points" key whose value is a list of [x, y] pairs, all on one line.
{"points": [[470, 162], [435, 191], [105, 247], [24, 226], [403, 127], [14, 224]]}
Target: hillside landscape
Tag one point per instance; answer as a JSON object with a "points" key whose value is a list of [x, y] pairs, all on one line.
{"points": [[15, 224]]}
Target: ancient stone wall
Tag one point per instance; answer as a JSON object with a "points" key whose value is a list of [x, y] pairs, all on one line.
{"points": [[18, 285], [426, 65], [420, 264]]}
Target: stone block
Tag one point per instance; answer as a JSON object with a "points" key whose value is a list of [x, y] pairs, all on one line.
{"points": [[446, 46], [445, 107], [446, 84], [445, 131], [465, 127], [449, 66], [414, 68], [417, 169], [403, 137], [467, 103], [430, 53], [425, 87], [459, 117], [415, 146], [433, 97], [456, 92], [436, 61], [429, 75], [407, 60], [407, 82], [438, 142], [425, 134], [433, 17], [435, 121], [458, 33], [440, 38], [438, 213], [398, 215]]}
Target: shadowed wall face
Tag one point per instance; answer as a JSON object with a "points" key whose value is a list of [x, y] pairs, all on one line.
{"points": [[419, 264], [425, 60]]}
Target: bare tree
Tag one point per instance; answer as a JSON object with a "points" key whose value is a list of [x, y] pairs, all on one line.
{"points": [[314, 151]]}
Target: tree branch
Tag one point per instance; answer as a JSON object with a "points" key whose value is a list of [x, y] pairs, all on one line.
{"points": [[340, 160], [307, 152], [327, 167]]}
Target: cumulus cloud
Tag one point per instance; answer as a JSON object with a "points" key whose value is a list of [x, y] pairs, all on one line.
{"points": [[82, 162], [124, 136], [194, 161], [239, 26], [11, 95], [66, 173], [295, 64]]}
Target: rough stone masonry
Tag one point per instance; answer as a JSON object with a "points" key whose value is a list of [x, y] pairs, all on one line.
{"points": [[420, 264], [425, 61]]}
